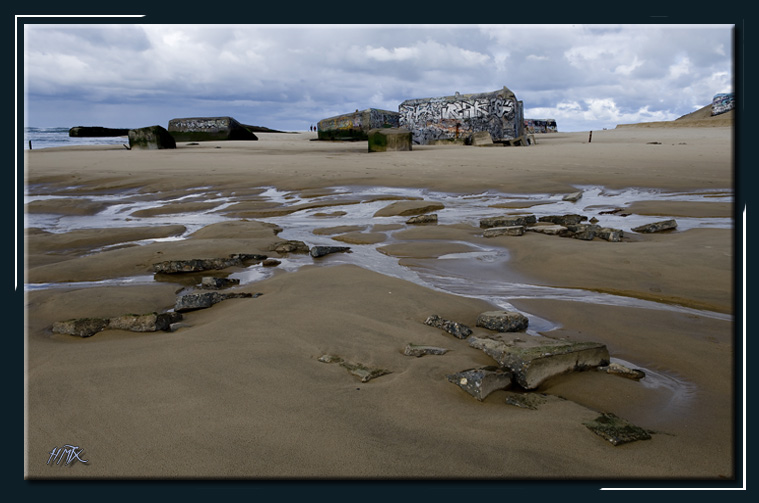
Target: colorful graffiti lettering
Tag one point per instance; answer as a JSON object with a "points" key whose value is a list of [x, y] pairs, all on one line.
{"points": [[722, 103], [458, 117], [540, 125]]}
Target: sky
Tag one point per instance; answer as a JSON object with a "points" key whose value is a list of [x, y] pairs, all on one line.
{"points": [[288, 77]]}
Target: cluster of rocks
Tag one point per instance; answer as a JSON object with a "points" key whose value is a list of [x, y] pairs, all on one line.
{"points": [[293, 246], [198, 265], [87, 327], [151, 322], [154, 322], [526, 364], [571, 226]]}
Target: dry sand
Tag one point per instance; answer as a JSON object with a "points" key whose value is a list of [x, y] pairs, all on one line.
{"points": [[238, 391]]}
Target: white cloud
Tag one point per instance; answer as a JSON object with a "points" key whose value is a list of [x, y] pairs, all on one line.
{"points": [[682, 67], [299, 74]]}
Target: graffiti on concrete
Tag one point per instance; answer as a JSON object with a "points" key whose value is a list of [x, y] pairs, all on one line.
{"points": [[458, 117], [722, 103], [540, 126], [356, 125]]}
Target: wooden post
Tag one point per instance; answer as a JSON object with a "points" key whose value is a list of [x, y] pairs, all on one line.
{"points": [[30, 144], [590, 136]]}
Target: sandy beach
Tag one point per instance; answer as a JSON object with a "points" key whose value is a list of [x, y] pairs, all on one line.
{"points": [[238, 390]]}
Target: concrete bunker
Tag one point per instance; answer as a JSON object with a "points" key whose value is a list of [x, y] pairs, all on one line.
{"points": [[456, 118], [355, 126]]}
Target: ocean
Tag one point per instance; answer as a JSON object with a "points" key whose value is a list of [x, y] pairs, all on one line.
{"points": [[59, 137]]}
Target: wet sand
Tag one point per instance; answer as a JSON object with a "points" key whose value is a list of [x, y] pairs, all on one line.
{"points": [[238, 390]]}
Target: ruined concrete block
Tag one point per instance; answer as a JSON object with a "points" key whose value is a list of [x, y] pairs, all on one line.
{"points": [[480, 382], [665, 225], [481, 139], [389, 140], [534, 362], [151, 138]]}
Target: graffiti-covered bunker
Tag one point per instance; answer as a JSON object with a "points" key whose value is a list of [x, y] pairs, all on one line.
{"points": [[457, 117], [356, 125]]}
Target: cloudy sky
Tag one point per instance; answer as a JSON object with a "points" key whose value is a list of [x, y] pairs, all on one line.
{"points": [[289, 77]]}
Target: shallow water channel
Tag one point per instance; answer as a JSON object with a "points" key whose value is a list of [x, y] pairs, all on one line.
{"points": [[474, 273]]}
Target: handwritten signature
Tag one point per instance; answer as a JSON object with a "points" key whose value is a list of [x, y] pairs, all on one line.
{"points": [[68, 452]]}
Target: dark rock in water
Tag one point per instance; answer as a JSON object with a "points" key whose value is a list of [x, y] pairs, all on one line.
{"points": [[482, 381], [622, 371], [270, 262], [209, 129], [420, 350], [320, 251], [486, 223], [422, 219], [247, 257], [285, 247], [503, 321], [573, 197], [211, 283], [563, 219], [96, 132], [665, 225], [82, 327], [151, 138], [535, 361], [87, 327], [457, 330], [364, 373], [151, 322], [616, 430], [195, 265], [193, 301]]}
